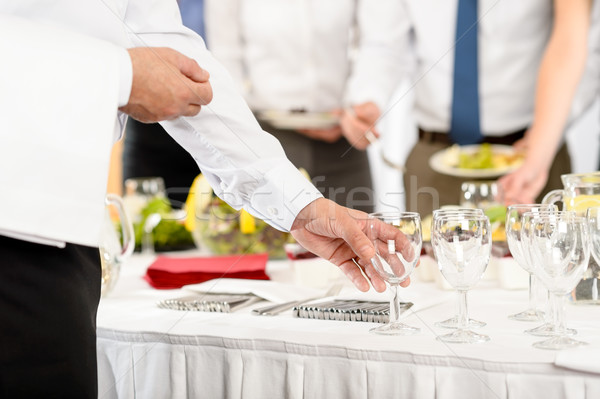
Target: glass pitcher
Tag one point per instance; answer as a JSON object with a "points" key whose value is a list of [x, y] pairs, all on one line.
{"points": [[581, 191], [113, 252]]}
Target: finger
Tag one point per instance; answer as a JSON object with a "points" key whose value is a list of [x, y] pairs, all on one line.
{"points": [[203, 93], [191, 110], [356, 238], [376, 280], [355, 275], [192, 70]]}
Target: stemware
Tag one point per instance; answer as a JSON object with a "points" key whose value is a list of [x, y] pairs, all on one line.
{"points": [[559, 248], [593, 218], [462, 247], [514, 219], [452, 322], [398, 241]]}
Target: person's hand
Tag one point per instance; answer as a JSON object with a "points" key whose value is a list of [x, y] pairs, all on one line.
{"points": [[338, 234], [330, 135], [358, 124], [523, 185], [166, 84]]}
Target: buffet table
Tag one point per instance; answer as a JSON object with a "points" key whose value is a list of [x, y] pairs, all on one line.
{"points": [[148, 352]]}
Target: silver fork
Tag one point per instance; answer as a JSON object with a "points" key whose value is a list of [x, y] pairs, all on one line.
{"points": [[272, 310]]}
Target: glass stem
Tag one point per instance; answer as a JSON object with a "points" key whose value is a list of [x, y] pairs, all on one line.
{"points": [[532, 303], [463, 314], [394, 305], [559, 310], [549, 315]]}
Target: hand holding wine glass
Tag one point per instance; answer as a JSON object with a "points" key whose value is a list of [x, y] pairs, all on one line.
{"points": [[397, 254]]}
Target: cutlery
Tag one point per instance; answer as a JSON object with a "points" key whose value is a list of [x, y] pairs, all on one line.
{"points": [[272, 310]]}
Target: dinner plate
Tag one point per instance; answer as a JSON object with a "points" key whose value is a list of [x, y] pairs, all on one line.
{"points": [[299, 120], [442, 162]]}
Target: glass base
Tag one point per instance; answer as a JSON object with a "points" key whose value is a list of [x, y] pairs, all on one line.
{"points": [[556, 343], [453, 323], [528, 315], [396, 328], [547, 330], [463, 337]]}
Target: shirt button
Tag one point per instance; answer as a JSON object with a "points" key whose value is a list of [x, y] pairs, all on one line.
{"points": [[273, 211], [223, 186]]}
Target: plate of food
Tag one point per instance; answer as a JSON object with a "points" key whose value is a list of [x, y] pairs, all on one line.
{"points": [[299, 119], [476, 161]]}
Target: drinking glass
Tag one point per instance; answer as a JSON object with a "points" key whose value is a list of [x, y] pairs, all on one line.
{"points": [[397, 240], [462, 247], [593, 218], [453, 321], [559, 247], [514, 219]]}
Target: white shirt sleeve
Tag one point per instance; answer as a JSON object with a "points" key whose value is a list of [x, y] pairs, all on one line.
{"points": [[245, 165], [126, 77]]}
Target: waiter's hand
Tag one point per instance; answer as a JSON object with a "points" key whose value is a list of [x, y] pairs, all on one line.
{"points": [[166, 85], [358, 124], [338, 234], [330, 135]]}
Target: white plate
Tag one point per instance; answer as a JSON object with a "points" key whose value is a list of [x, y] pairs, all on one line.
{"points": [[299, 120], [439, 164]]}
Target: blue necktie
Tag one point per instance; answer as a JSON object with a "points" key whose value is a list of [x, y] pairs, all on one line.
{"points": [[465, 127], [192, 15]]}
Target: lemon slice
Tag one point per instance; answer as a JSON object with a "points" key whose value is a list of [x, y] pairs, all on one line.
{"points": [[247, 222], [197, 201]]}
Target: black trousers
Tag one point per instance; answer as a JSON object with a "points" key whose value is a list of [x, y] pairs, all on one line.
{"points": [[48, 302]]}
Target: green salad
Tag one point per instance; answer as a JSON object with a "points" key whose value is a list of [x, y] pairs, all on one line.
{"points": [[219, 230]]}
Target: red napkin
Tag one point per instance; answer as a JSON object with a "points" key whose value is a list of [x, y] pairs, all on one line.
{"points": [[167, 272]]}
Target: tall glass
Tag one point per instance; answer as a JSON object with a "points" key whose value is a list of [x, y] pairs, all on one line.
{"points": [[558, 244], [462, 247], [452, 322], [514, 220], [398, 241], [593, 218]]}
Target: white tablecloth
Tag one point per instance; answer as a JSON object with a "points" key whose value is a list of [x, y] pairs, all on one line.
{"points": [[147, 352]]}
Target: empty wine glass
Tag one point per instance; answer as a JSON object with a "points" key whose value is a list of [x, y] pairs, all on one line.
{"points": [[547, 328], [593, 218], [462, 247], [514, 219], [559, 247], [397, 240], [453, 321]]}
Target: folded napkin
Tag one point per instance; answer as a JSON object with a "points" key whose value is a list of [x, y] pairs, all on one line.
{"points": [[582, 359], [174, 272]]}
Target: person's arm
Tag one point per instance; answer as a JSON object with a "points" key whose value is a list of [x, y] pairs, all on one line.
{"points": [[559, 74], [246, 166], [377, 68]]}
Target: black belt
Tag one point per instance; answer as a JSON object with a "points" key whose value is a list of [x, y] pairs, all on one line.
{"points": [[444, 138]]}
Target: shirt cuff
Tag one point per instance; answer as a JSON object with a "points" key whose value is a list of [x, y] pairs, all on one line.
{"points": [[283, 195], [125, 77]]}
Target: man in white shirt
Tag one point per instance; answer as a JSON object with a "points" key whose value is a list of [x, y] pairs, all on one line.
{"points": [[531, 56], [65, 66], [311, 57]]}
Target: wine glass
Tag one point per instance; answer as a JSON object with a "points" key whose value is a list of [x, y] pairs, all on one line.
{"points": [[558, 243], [514, 219], [462, 247], [453, 321], [593, 218], [397, 240]]}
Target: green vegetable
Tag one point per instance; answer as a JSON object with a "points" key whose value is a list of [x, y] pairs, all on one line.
{"points": [[496, 213], [481, 159]]}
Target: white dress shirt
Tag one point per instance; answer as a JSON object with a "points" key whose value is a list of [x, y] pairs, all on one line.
{"points": [[54, 154], [512, 38], [314, 55]]}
